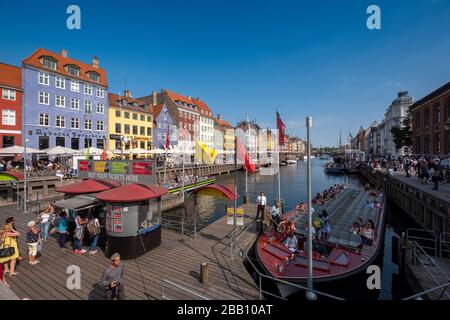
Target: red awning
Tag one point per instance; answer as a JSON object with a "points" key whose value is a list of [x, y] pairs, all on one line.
{"points": [[132, 193], [89, 186], [219, 191]]}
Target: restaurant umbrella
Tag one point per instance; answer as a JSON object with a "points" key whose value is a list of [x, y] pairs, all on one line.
{"points": [[14, 150]]}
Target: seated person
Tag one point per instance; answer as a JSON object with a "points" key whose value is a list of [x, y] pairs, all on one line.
{"points": [[375, 204], [291, 242], [367, 235], [356, 229]]}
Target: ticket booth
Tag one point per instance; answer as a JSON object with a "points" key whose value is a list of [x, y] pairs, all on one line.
{"points": [[133, 219]]}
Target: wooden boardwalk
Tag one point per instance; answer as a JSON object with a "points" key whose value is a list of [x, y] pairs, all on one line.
{"points": [[178, 259]]}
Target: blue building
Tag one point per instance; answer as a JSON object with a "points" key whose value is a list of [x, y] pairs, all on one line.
{"points": [[163, 125], [65, 102]]}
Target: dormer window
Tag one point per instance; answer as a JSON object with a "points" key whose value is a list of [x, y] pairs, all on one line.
{"points": [[49, 63], [73, 70], [94, 76]]}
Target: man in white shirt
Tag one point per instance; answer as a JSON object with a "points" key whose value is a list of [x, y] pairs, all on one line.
{"points": [[261, 202]]}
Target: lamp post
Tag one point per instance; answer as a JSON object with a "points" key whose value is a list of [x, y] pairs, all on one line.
{"points": [[25, 180]]}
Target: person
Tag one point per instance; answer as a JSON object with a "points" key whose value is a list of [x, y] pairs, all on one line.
{"points": [[355, 229], [112, 279], [78, 235], [32, 239], [93, 227], [367, 234], [2, 274], [10, 236], [326, 227], [59, 174], [276, 214], [261, 202], [291, 241], [62, 225], [436, 178], [44, 219]]}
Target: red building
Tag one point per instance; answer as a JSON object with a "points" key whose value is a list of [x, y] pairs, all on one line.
{"points": [[10, 105], [431, 123]]}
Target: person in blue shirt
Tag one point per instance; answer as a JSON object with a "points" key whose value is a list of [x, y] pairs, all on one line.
{"points": [[61, 226]]}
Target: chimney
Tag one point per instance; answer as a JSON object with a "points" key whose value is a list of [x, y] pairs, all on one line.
{"points": [[95, 62], [127, 94], [64, 53], [189, 97], [219, 116], [154, 98]]}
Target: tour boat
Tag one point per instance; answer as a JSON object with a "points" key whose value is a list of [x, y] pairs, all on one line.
{"points": [[343, 255], [332, 168]]}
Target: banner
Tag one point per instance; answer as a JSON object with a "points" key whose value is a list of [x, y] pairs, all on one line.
{"points": [[239, 216]]}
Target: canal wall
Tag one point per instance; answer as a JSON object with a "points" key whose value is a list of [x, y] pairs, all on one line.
{"points": [[428, 208]]}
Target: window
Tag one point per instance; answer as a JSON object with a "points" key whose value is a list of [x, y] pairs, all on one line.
{"points": [[426, 120], [165, 115], [149, 119], [100, 143], [149, 131], [118, 128], [142, 117], [159, 125], [158, 135], [73, 70], [142, 131], [9, 94], [60, 122], [135, 129], [126, 115], [75, 86], [164, 136], [87, 142], [75, 104], [94, 76], [75, 143], [60, 141], [44, 78], [118, 113], [49, 63], [60, 101], [88, 89], [100, 126], [127, 129], [142, 145], [100, 108], [44, 119], [8, 141], [44, 142], [44, 98], [75, 123], [88, 107], [8, 117], [100, 93], [60, 83], [87, 124], [135, 116]]}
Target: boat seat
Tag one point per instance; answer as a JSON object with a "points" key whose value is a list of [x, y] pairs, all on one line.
{"points": [[318, 264], [276, 251], [339, 257]]}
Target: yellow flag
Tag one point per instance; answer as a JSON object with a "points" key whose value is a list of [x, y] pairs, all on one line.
{"points": [[204, 154]]}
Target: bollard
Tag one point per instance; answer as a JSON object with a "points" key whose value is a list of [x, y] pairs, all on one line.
{"points": [[204, 274]]}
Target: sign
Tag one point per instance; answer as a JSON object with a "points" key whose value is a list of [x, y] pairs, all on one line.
{"points": [[239, 216], [118, 170], [114, 219]]}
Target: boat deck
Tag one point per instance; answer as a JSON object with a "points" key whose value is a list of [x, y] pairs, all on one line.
{"points": [[178, 259]]}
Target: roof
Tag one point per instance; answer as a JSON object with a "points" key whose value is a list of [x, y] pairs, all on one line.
{"points": [[10, 76], [78, 203], [157, 110], [201, 105], [224, 123], [432, 95], [89, 186], [114, 99], [132, 193], [34, 60]]}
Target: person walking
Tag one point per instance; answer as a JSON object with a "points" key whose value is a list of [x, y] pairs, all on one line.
{"points": [[32, 238], [261, 202], [61, 228], [93, 227], [112, 279], [44, 219]]}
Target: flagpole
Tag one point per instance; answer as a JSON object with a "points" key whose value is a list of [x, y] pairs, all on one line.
{"points": [[279, 169], [184, 150], [310, 295], [246, 149], [235, 198]]}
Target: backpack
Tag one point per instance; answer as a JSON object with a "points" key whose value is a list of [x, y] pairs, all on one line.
{"points": [[93, 227]]}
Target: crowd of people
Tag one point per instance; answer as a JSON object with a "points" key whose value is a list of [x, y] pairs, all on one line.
{"points": [[49, 167], [365, 230]]}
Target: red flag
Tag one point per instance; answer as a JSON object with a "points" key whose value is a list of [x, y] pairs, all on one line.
{"points": [[104, 152], [248, 164], [167, 140], [280, 127]]}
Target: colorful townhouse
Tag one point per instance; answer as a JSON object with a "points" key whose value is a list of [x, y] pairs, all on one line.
{"points": [[10, 105], [224, 134], [130, 125], [206, 123], [65, 102], [164, 125]]}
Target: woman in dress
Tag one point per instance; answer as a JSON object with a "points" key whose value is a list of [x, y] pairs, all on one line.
{"points": [[10, 236]]}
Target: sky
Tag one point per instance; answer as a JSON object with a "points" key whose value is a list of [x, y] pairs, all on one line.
{"points": [[251, 57]]}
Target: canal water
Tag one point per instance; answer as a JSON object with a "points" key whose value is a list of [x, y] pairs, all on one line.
{"points": [[293, 190]]}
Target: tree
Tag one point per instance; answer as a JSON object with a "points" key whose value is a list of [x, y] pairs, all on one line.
{"points": [[403, 134]]}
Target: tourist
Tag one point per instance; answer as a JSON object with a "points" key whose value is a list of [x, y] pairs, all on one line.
{"points": [[61, 227], [2, 275], [93, 227], [78, 235], [10, 236], [291, 241], [325, 229], [276, 214], [436, 178], [59, 174], [32, 239], [261, 202], [44, 219], [367, 234], [355, 229], [112, 279]]}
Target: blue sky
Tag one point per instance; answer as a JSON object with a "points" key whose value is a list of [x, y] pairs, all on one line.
{"points": [[302, 57]]}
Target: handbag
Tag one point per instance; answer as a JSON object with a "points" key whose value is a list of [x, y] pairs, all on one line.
{"points": [[7, 252]]}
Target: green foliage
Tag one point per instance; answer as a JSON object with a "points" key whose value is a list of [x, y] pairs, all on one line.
{"points": [[403, 134]]}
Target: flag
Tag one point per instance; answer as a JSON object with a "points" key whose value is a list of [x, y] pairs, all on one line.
{"points": [[248, 163], [87, 151], [280, 127], [104, 152], [167, 140], [204, 154]]}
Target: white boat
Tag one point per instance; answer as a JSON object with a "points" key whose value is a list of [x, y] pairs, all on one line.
{"points": [[291, 161], [306, 157]]}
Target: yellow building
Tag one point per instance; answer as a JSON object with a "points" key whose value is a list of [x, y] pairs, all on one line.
{"points": [[130, 127]]}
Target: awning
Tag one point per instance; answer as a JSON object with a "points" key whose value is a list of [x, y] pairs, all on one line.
{"points": [[218, 190], [89, 186], [132, 193], [78, 203]]}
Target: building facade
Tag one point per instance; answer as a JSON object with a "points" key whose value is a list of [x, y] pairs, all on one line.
{"points": [[431, 123], [206, 123], [164, 125], [130, 125], [10, 105], [65, 103]]}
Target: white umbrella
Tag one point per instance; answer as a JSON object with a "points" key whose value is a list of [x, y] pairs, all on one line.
{"points": [[140, 151], [93, 151], [157, 151], [18, 150], [57, 151]]}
